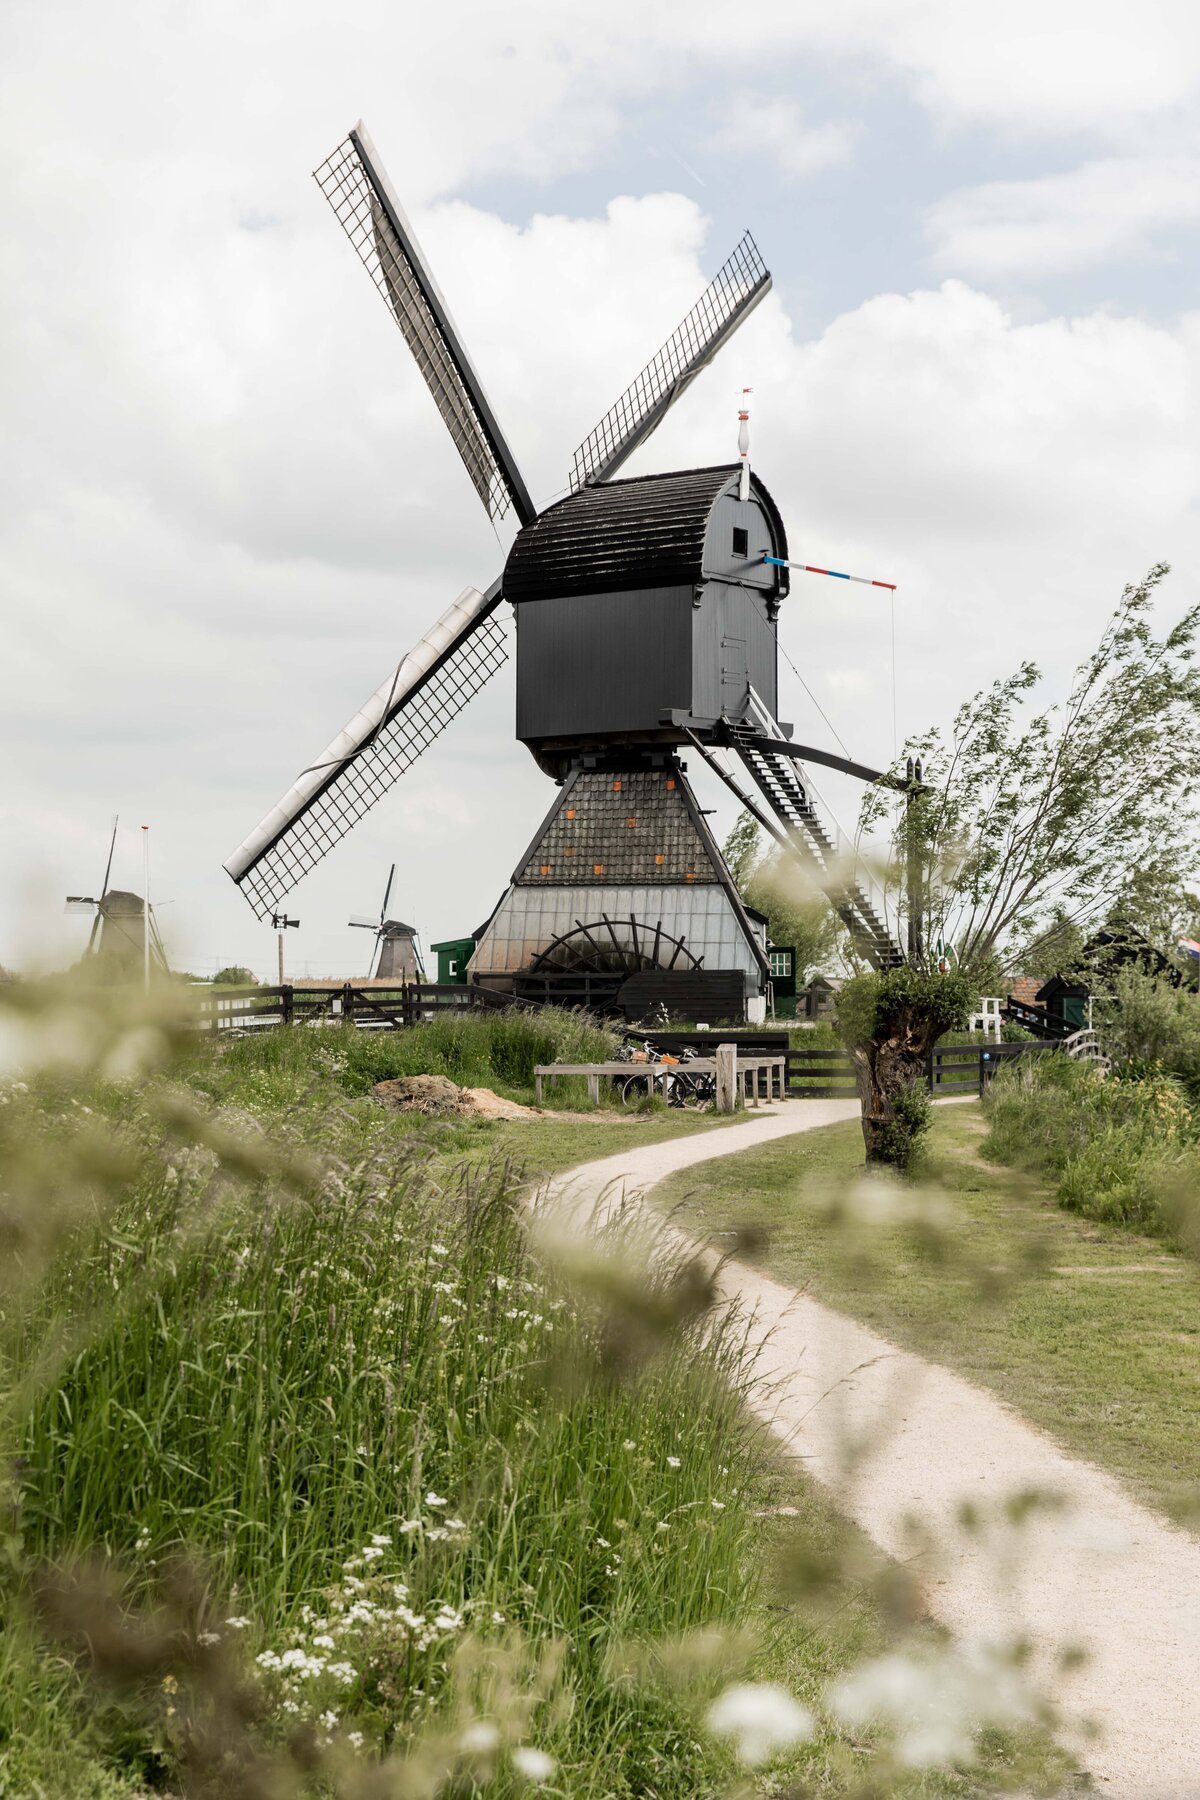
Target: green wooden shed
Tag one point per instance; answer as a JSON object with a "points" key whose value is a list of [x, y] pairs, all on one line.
{"points": [[452, 959]]}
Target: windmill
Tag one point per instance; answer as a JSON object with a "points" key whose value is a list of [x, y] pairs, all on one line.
{"points": [[395, 943], [119, 922], [646, 617]]}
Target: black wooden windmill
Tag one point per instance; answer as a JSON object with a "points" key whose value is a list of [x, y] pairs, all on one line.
{"points": [[646, 618]]}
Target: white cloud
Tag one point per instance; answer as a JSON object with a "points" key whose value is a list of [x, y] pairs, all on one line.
{"points": [[1041, 67], [1056, 222], [762, 126], [227, 504]]}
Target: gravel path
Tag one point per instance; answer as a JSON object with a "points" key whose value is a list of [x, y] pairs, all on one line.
{"points": [[1108, 1575]]}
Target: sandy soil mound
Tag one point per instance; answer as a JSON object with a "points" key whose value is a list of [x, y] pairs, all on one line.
{"points": [[437, 1094]]}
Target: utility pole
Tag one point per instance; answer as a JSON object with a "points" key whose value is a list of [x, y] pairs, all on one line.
{"points": [[146, 907], [282, 923], [915, 876]]}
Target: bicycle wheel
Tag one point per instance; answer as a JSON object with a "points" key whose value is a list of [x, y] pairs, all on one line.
{"points": [[633, 1089]]}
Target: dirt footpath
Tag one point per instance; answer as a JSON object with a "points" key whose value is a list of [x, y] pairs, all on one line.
{"points": [[1107, 1574]]}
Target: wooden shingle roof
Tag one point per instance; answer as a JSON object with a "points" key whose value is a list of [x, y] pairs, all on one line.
{"points": [[647, 532]]}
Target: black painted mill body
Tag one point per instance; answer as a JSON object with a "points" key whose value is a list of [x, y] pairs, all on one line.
{"points": [[644, 609]]}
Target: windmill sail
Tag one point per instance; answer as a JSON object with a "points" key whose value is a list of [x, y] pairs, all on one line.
{"points": [[729, 298], [385, 737], [355, 184]]}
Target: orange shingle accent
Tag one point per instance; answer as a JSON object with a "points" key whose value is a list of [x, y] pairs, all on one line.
{"points": [[597, 868]]}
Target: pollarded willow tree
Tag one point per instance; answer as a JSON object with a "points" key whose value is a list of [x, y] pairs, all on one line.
{"points": [[1025, 821]]}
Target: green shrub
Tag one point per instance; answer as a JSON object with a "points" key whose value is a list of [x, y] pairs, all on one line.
{"points": [[1146, 1025], [485, 1049], [1121, 1148]]}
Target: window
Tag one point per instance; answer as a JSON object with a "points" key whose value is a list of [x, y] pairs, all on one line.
{"points": [[741, 541], [781, 962], [452, 966]]}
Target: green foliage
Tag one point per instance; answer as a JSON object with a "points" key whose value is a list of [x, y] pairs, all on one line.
{"points": [[1123, 1151], [485, 1049], [1146, 1025], [798, 915], [324, 1368], [1030, 821], [921, 1004], [235, 975], [897, 1139]]}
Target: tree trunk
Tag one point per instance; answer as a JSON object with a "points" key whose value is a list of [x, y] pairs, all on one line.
{"points": [[890, 1067]]}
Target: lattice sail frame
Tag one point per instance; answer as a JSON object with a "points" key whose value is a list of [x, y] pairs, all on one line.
{"points": [[353, 181], [400, 721], [729, 298]]}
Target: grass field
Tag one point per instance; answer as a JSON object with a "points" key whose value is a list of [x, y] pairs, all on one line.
{"points": [[1092, 1332], [283, 1362]]}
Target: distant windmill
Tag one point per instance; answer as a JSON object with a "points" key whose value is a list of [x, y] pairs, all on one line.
{"points": [[119, 920], [395, 942]]}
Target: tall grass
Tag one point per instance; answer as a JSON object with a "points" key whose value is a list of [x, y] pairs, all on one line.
{"points": [[320, 1383], [495, 1049], [1126, 1151]]}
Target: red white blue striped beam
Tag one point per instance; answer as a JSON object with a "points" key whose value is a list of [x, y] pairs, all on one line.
{"points": [[808, 569]]}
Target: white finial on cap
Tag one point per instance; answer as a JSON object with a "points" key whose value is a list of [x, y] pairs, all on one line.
{"points": [[744, 444]]}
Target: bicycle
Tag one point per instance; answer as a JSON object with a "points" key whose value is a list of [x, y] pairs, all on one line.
{"points": [[679, 1086]]}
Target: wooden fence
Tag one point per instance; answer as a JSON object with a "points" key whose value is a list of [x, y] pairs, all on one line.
{"points": [[810, 1074], [372, 1009], [949, 1069]]}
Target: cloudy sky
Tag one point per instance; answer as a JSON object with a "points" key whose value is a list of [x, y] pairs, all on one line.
{"points": [[228, 506]]}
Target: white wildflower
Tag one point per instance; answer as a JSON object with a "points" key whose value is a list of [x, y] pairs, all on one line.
{"points": [[238, 1624], [323, 1641], [380, 1540], [662, 1526], [355, 1738], [372, 1553], [604, 1543], [343, 1672], [761, 1718], [533, 1764], [432, 1499], [439, 1250], [497, 1618], [208, 1637], [629, 1444], [408, 1526], [673, 1462], [935, 1704], [329, 1720], [479, 1737]]}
